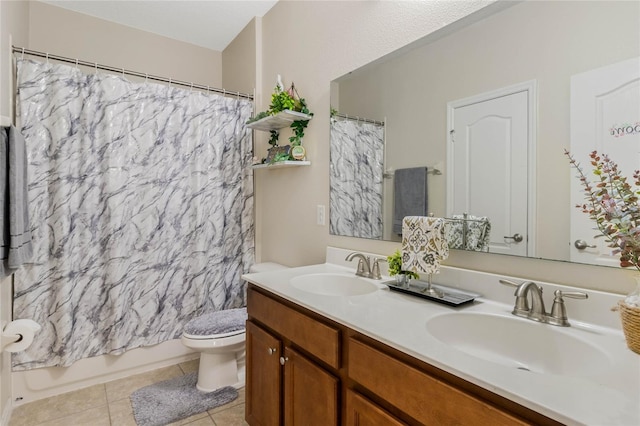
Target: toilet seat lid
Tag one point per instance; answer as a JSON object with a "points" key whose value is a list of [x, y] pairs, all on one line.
{"points": [[212, 336], [223, 323]]}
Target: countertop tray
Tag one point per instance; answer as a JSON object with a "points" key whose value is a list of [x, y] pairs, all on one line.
{"points": [[451, 297]]}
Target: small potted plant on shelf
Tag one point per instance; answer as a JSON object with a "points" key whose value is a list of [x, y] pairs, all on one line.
{"points": [[395, 269], [286, 100]]}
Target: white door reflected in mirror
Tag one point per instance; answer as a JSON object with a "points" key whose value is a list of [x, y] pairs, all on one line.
{"points": [[488, 166], [605, 114]]}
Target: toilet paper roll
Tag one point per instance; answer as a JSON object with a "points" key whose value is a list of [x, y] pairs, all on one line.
{"points": [[24, 327]]}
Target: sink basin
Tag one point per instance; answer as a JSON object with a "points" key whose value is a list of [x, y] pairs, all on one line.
{"points": [[520, 343], [333, 284]]}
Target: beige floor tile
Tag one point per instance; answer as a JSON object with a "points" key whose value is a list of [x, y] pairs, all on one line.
{"points": [[59, 406], [205, 421], [239, 400], [233, 416], [190, 420], [121, 413], [123, 388], [190, 366], [92, 417]]}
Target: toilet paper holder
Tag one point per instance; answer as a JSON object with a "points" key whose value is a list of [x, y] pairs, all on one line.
{"points": [[6, 339], [17, 335]]}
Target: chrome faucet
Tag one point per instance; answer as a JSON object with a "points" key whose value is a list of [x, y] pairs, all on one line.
{"points": [[537, 312], [364, 267]]}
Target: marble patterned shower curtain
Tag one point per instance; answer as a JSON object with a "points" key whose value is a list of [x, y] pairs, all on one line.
{"points": [[141, 206], [356, 175]]}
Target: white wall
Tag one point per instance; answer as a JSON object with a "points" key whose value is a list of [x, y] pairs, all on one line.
{"points": [[313, 43]]}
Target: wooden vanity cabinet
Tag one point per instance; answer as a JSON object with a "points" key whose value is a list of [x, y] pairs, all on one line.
{"points": [[285, 383], [333, 375], [263, 377]]}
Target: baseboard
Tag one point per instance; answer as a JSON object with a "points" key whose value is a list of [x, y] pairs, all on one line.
{"points": [[42, 383]]}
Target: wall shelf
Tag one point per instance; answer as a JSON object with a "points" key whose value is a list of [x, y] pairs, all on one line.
{"points": [[280, 120], [281, 164]]}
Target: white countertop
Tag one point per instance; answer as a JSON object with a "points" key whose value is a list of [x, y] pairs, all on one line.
{"points": [[398, 320]]}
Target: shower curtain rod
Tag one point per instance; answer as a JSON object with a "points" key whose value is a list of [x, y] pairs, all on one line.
{"points": [[97, 66], [366, 120]]}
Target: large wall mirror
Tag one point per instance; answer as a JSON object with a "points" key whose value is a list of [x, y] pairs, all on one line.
{"points": [[475, 122]]}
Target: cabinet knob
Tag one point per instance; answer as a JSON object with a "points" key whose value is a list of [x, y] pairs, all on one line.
{"points": [[272, 351], [283, 359]]}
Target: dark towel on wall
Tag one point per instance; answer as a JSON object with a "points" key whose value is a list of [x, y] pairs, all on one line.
{"points": [[14, 216], [409, 195]]}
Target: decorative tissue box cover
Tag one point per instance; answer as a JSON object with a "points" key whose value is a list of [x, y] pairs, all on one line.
{"points": [[424, 244]]}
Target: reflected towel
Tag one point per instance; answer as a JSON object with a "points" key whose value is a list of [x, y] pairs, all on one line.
{"points": [[424, 244], [474, 238], [14, 217], [409, 195]]}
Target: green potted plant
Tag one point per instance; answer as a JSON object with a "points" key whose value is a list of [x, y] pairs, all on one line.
{"points": [[395, 269], [286, 100]]}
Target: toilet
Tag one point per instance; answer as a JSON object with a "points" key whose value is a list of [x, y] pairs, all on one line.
{"points": [[220, 338]]}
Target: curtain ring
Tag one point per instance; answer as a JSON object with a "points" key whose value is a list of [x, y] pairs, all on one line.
{"points": [[47, 57], [224, 92], [95, 64], [122, 72], [22, 54], [192, 86], [76, 63], [169, 81], [146, 78]]}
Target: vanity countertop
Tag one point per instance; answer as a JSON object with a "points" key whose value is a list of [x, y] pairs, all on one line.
{"points": [[398, 320]]}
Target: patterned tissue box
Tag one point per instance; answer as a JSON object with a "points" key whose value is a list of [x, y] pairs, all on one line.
{"points": [[424, 244]]}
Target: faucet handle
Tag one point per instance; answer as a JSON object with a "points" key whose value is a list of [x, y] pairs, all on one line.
{"points": [[558, 315], [508, 282], [375, 269], [361, 270], [571, 294]]}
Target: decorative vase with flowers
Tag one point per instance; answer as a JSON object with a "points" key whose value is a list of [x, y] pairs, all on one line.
{"points": [[613, 204]]}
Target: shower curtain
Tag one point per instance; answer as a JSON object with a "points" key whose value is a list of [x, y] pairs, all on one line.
{"points": [[141, 208], [356, 175]]}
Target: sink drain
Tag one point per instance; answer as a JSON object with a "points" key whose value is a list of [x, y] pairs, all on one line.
{"points": [[523, 368]]}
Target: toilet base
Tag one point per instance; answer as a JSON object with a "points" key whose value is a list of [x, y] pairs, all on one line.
{"points": [[218, 370]]}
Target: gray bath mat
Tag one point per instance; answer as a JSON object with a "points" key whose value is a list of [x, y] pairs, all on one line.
{"points": [[176, 399]]}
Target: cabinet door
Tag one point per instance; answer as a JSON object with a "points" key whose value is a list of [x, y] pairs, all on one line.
{"points": [[310, 393], [362, 412], [263, 377]]}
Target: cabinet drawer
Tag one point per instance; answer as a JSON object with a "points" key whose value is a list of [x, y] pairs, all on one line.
{"points": [[421, 396], [315, 337], [362, 412]]}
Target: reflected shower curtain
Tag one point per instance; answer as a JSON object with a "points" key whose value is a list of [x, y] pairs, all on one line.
{"points": [[141, 207], [356, 174]]}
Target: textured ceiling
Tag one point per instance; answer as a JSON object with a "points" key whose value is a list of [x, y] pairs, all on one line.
{"points": [[209, 23]]}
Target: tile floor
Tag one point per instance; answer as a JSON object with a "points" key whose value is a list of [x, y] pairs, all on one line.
{"points": [[108, 404]]}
